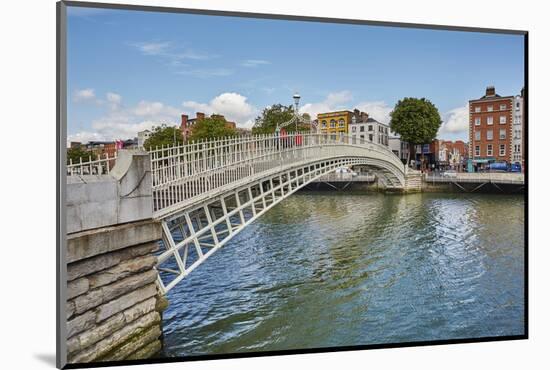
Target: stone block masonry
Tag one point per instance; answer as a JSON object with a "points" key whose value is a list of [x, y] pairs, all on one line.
{"points": [[113, 304], [113, 307]]}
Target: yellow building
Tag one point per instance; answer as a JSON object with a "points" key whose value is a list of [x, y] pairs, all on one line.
{"points": [[334, 122]]}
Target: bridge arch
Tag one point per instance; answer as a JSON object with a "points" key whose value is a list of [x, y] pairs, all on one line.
{"points": [[227, 188]]}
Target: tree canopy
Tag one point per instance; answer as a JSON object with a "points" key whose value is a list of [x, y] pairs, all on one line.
{"points": [[76, 153], [267, 121], [163, 135], [415, 120], [211, 127]]}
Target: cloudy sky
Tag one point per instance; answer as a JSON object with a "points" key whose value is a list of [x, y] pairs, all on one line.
{"points": [[130, 70]]}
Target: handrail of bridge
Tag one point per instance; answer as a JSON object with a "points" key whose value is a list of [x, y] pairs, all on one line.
{"points": [[99, 166], [182, 172]]}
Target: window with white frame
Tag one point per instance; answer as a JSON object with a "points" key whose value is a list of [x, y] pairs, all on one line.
{"points": [[362, 129], [502, 120], [503, 107], [478, 121], [477, 109], [490, 120], [477, 150], [489, 134], [489, 108], [502, 150], [353, 128], [341, 123], [332, 123], [477, 135], [324, 124], [502, 133], [489, 150]]}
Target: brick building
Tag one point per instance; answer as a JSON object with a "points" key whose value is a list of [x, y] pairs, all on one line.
{"points": [[187, 123], [491, 129]]}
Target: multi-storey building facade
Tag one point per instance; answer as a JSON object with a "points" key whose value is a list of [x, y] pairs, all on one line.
{"points": [[142, 137], [370, 129], [491, 129], [334, 123], [187, 123], [399, 148], [518, 130]]}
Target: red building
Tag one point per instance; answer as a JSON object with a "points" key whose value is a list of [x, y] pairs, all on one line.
{"points": [[490, 129], [187, 124]]}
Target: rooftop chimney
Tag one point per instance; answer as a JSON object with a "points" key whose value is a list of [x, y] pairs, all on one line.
{"points": [[184, 118], [490, 91]]}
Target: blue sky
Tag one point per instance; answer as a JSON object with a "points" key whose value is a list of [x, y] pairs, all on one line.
{"points": [[130, 70]]}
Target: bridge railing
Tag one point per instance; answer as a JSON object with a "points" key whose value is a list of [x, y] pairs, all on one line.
{"points": [[102, 165], [183, 172]]}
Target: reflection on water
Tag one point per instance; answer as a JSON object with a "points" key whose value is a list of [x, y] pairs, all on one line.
{"points": [[340, 269]]}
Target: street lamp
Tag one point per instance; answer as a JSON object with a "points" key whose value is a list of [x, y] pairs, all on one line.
{"points": [[296, 97]]}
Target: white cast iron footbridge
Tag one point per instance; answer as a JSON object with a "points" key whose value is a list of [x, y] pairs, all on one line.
{"points": [[206, 192]]}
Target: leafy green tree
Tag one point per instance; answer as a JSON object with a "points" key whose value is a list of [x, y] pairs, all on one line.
{"points": [[416, 121], [76, 153], [163, 135], [211, 127], [267, 121]]}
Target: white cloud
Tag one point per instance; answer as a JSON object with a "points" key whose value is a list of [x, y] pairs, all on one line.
{"points": [[206, 73], [232, 105], [455, 122], [153, 48], [254, 62], [84, 95], [124, 123], [172, 52], [333, 101], [378, 110], [113, 98]]}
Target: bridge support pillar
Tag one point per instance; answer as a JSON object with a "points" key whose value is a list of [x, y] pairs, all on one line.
{"points": [[413, 182], [113, 305]]}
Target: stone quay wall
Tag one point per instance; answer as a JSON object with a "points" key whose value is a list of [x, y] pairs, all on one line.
{"points": [[113, 306]]}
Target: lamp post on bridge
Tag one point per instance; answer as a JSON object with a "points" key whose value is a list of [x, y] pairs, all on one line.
{"points": [[296, 98]]}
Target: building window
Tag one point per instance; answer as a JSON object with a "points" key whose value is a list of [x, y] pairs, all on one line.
{"points": [[503, 107], [324, 124], [477, 109], [477, 135], [332, 123], [477, 121], [502, 150], [489, 134], [353, 129], [502, 120], [370, 137], [489, 108], [502, 133], [362, 129], [370, 127], [489, 150], [489, 120], [362, 137], [517, 105], [341, 123], [477, 150]]}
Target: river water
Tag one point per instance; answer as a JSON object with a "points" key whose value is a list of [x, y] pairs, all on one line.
{"points": [[324, 269]]}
